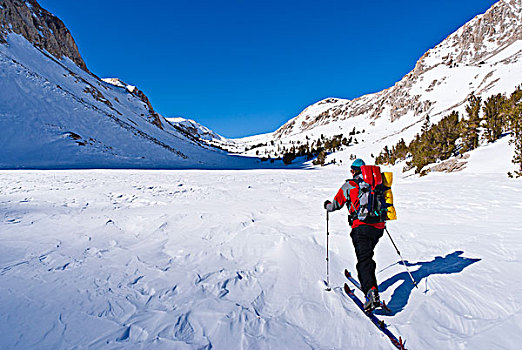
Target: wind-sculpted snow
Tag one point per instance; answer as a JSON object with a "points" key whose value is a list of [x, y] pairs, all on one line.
{"points": [[236, 260]]}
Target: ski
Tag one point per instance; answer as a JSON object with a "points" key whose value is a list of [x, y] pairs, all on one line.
{"points": [[398, 343], [358, 286], [350, 278]]}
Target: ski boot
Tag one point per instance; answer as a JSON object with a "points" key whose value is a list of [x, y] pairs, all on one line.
{"points": [[372, 300]]}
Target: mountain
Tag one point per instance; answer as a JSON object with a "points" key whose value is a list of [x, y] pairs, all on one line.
{"points": [[483, 57], [39, 27], [54, 113], [194, 128]]}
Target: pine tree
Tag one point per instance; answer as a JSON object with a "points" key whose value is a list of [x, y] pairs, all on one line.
{"points": [[384, 157], [494, 117], [470, 126], [418, 159], [399, 151], [288, 158], [516, 127], [321, 158], [445, 134], [425, 125], [513, 111]]}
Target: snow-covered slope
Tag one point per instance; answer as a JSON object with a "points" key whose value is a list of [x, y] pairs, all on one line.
{"points": [[484, 56], [117, 82], [55, 114], [236, 260], [196, 129]]}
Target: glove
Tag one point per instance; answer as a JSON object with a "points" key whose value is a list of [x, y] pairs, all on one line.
{"points": [[326, 203]]}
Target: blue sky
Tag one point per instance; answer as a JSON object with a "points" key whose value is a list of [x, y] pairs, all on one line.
{"points": [[244, 67]]}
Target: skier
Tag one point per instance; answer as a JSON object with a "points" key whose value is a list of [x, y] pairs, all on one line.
{"points": [[365, 234]]}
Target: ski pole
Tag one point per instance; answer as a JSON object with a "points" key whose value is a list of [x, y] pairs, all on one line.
{"points": [[327, 256], [403, 263]]}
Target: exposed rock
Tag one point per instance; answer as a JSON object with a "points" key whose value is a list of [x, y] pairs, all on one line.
{"points": [[156, 119], [97, 95], [41, 28], [449, 166], [471, 45]]}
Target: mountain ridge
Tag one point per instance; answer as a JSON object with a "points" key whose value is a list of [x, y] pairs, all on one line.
{"points": [[56, 114], [396, 100], [483, 58]]}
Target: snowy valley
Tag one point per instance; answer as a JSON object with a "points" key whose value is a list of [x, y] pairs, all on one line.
{"points": [[129, 259], [56, 114], [122, 229]]}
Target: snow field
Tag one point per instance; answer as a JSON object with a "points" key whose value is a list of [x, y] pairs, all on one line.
{"points": [[236, 260]]}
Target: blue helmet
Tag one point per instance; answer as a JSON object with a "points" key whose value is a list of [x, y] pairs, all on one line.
{"points": [[357, 164]]}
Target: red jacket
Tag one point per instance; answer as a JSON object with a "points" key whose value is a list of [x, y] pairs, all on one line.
{"points": [[349, 194]]}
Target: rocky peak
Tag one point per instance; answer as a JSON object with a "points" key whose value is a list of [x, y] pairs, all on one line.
{"points": [[479, 39], [40, 27]]}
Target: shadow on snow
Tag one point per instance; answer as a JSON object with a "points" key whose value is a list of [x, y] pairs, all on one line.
{"points": [[451, 263], [229, 162]]}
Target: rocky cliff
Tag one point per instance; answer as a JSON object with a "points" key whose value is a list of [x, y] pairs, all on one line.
{"points": [[38, 26], [46, 31]]}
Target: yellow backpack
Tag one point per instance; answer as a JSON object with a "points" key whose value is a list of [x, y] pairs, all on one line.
{"points": [[387, 181]]}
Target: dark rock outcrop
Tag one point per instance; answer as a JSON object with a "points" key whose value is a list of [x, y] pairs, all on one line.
{"points": [[40, 27], [156, 119]]}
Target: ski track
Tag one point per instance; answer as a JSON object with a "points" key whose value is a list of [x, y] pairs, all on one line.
{"points": [[236, 260]]}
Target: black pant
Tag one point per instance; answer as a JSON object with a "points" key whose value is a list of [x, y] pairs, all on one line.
{"points": [[364, 240]]}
